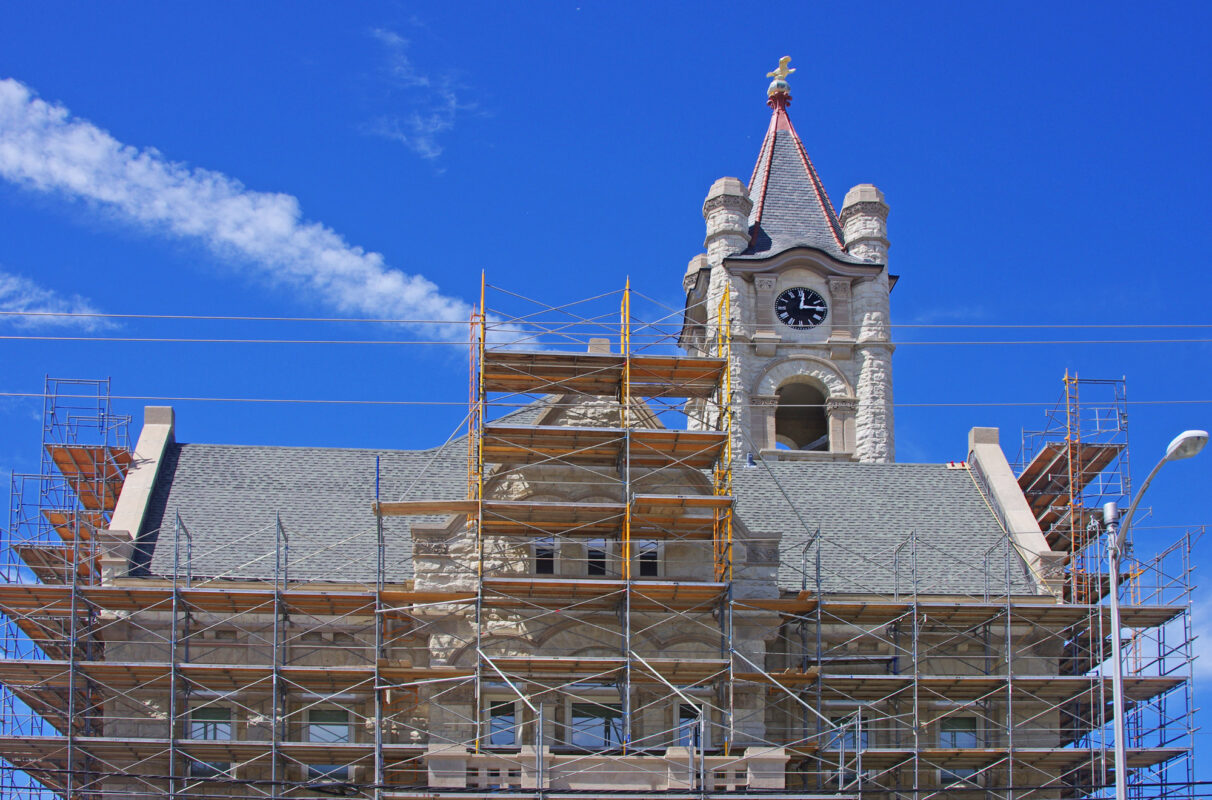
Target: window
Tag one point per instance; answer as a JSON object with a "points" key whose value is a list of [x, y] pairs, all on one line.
{"points": [[328, 726], [502, 725], [957, 733], [687, 732], [544, 556], [212, 723], [649, 556], [596, 726], [595, 557]]}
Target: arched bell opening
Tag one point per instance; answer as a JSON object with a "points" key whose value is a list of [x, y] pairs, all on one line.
{"points": [[800, 418]]}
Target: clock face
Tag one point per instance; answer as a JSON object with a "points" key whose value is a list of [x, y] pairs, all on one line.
{"points": [[799, 307]]}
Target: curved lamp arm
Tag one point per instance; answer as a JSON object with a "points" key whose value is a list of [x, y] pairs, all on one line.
{"points": [[1185, 445]]}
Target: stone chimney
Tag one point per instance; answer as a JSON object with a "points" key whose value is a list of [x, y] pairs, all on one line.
{"points": [[864, 221], [726, 211]]}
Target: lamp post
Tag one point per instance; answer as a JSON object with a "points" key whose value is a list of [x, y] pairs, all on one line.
{"points": [[1185, 445]]}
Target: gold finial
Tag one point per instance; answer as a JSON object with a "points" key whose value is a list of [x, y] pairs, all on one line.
{"points": [[779, 84], [782, 72]]}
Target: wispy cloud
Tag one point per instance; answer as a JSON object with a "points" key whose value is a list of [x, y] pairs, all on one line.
{"points": [[44, 148], [433, 98], [26, 304]]}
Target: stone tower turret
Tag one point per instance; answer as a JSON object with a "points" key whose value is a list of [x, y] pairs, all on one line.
{"points": [[864, 221], [811, 354], [726, 212]]}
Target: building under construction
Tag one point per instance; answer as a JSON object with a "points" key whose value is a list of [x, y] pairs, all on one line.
{"points": [[668, 553]]}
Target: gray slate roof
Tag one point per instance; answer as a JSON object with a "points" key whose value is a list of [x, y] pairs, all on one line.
{"points": [[229, 498], [867, 514], [790, 206]]}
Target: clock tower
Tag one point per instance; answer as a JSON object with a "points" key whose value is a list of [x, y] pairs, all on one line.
{"points": [[807, 295]]}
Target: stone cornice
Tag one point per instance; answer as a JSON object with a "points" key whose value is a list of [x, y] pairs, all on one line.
{"points": [[802, 256], [730, 202], [866, 209]]}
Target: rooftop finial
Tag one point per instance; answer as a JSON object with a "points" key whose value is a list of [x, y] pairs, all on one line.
{"points": [[779, 84]]}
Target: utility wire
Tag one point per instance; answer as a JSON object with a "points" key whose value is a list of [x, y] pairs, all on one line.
{"points": [[329, 401], [394, 321], [539, 344]]}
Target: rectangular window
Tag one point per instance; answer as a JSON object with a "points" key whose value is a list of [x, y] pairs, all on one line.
{"points": [[214, 724], [328, 726], [210, 723], [649, 556], [502, 725], [687, 732], [595, 557], [596, 726], [544, 556], [957, 733]]}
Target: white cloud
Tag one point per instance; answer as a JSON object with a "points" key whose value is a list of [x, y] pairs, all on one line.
{"points": [[44, 148], [19, 294], [434, 99]]}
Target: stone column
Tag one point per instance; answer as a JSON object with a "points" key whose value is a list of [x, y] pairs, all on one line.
{"points": [[874, 442], [841, 334], [841, 411], [761, 422], [874, 438], [765, 334]]}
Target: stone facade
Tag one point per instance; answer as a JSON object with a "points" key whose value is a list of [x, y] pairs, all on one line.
{"points": [[848, 358]]}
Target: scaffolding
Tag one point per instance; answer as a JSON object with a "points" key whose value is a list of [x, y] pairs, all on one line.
{"points": [[578, 611], [1069, 468], [51, 540]]}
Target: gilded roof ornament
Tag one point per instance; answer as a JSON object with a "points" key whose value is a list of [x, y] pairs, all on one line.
{"points": [[779, 84]]}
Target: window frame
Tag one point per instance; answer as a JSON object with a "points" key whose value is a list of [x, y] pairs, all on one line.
{"points": [[333, 772], [948, 739], [515, 727], [209, 769], [540, 543], [679, 730], [600, 711], [641, 547], [590, 570]]}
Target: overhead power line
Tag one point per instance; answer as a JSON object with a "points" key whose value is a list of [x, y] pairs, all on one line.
{"points": [[394, 321], [332, 401], [538, 343]]}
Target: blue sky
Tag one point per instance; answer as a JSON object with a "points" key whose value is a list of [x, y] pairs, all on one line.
{"points": [[1046, 166]]}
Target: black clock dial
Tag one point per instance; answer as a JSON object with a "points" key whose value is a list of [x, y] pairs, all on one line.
{"points": [[800, 308]]}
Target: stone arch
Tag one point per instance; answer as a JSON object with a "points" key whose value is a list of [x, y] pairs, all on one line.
{"points": [[803, 403], [803, 368], [495, 645]]}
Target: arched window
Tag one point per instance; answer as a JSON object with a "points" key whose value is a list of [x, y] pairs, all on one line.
{"points": [[800, 421]]}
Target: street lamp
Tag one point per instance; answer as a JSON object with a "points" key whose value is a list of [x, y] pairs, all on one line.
{"points": [[1185, 445]]}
